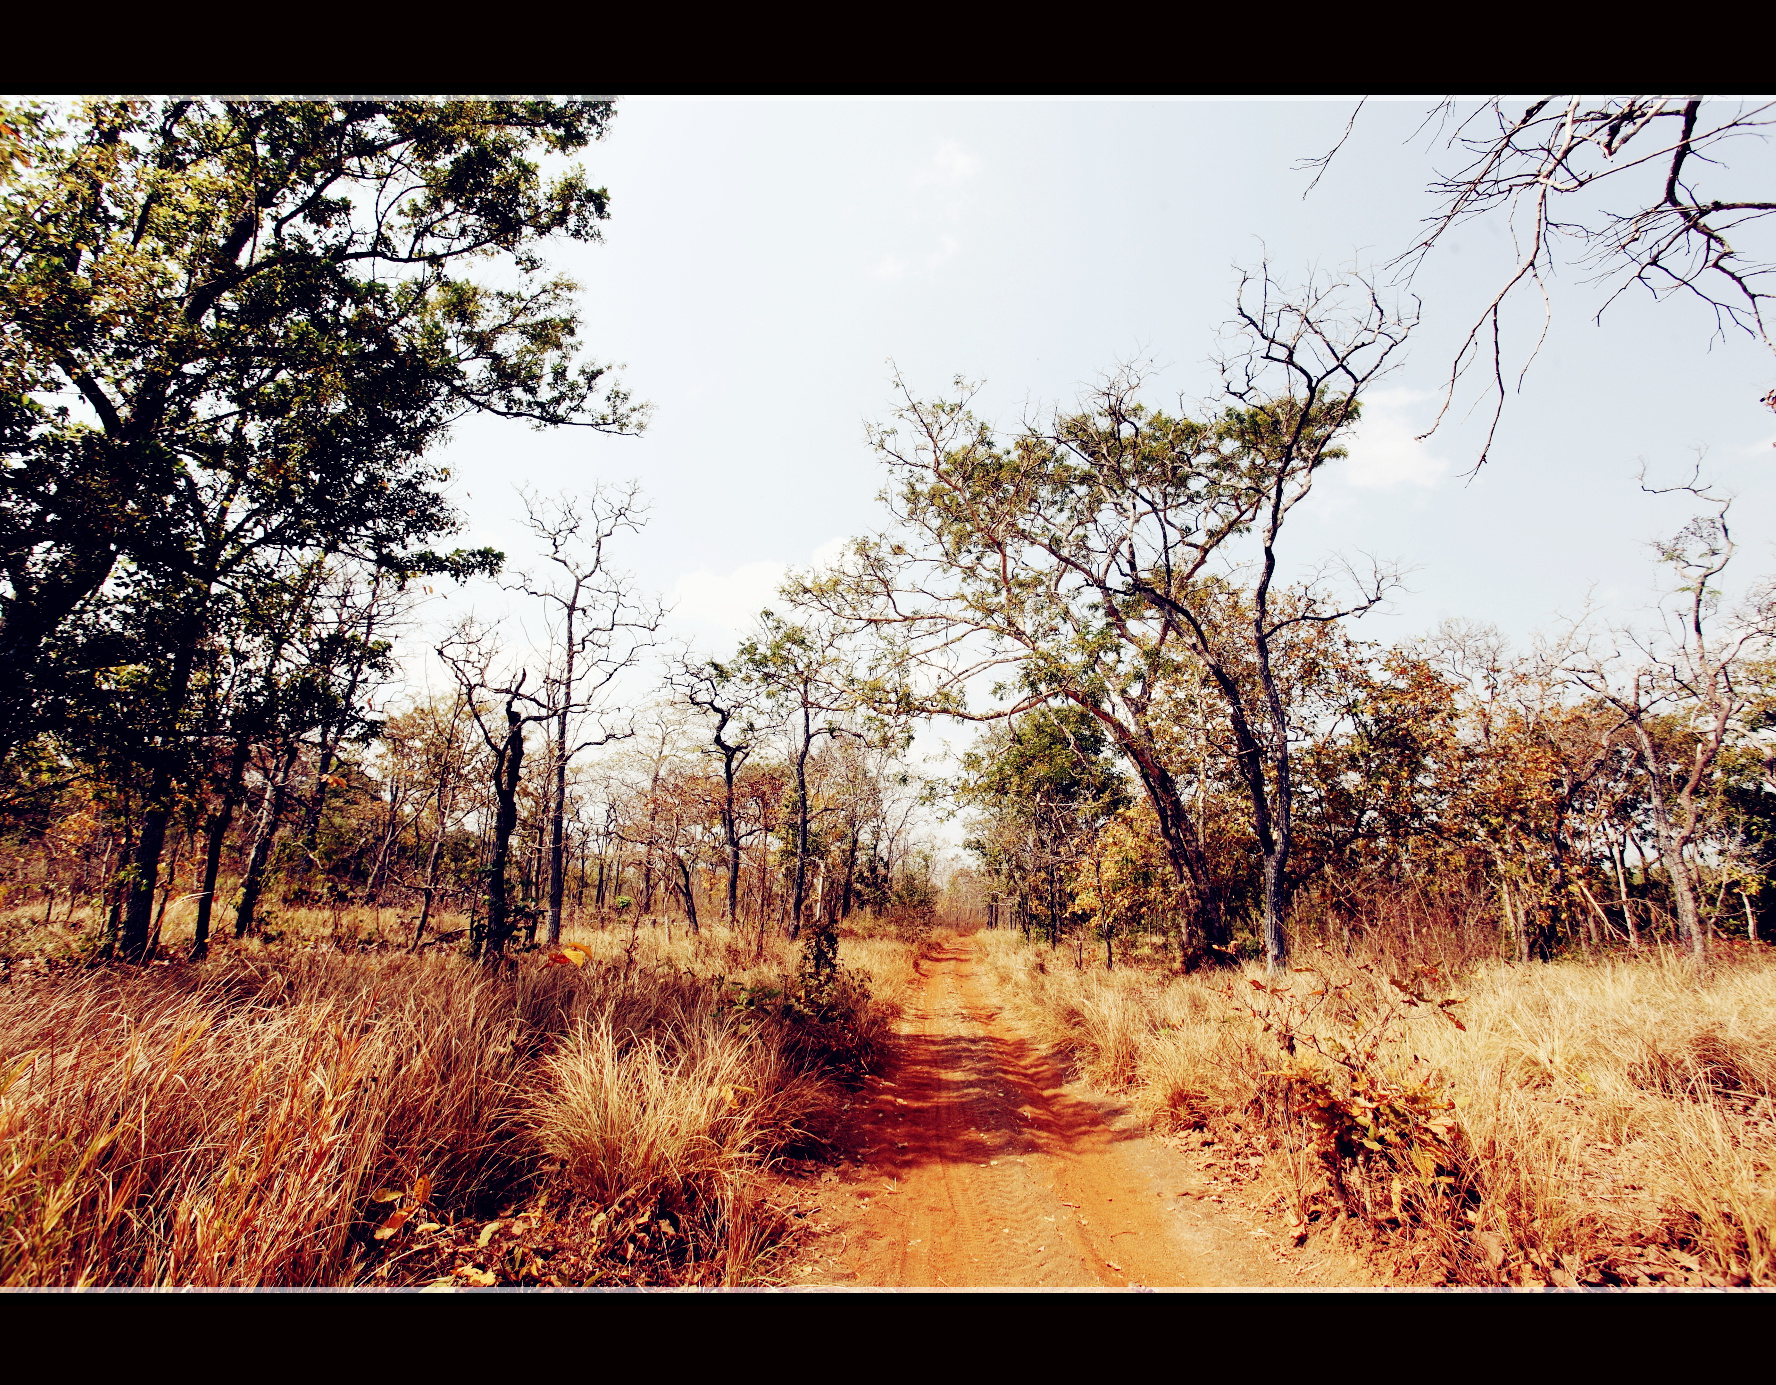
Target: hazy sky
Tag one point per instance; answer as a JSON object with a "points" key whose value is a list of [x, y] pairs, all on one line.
{"points": [[765, 262]]}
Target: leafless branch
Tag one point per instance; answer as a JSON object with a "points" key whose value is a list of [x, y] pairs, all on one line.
{"points": [[1673, 239]]}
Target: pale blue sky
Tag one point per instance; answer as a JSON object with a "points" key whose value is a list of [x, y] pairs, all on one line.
{"points": [[765, 261]]}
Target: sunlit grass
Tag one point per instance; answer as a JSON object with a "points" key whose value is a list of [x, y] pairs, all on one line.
{"points": [[1616, 1116]]}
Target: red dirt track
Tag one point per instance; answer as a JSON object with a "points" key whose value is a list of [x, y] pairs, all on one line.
{"points": [[973, 1163]]}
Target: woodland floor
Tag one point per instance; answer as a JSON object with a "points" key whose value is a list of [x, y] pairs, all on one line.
{"points": [[973, 1162]]}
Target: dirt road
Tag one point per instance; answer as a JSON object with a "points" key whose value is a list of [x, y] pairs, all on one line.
{"points": [[974, 1163]]}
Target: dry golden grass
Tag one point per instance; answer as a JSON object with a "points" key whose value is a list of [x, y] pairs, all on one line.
{"points": [[250, 1120], [1612, 1122]]}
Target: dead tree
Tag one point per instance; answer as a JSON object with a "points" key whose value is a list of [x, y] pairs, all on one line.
{"points": [[1694, 680], [1615, 184], [729, 703], [597, 628], [503, 709]]}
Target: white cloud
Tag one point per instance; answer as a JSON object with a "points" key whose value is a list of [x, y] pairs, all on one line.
{"points": [[1385, 452], [892, 266], [729, 602], [937, 200], [950, 167]]}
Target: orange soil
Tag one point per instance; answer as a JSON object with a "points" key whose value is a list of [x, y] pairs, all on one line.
{"points": [[974, 1163]]}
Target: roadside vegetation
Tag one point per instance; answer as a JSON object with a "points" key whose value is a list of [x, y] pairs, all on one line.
{"points": [[340, 947], [338, 1110], [1472, 1120]]}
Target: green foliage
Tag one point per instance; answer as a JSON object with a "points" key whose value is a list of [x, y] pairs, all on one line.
{"points": [[1051, 754], [234, 330], [1042, 784]]}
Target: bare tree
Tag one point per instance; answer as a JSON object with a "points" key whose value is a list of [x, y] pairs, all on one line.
{"points": [[597, 629], [492, 694], [1694, 677], [727, 700], [432, 744], [1076, 558], [1547, 165]]}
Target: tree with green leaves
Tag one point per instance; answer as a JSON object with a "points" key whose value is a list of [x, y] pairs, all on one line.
{"points": [[234, 331], [1043, 783], [1076, 561], [804, 675]]}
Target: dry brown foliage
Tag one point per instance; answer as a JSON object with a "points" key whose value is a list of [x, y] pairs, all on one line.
{"points": [[298, 1115], [1602, 1122]]}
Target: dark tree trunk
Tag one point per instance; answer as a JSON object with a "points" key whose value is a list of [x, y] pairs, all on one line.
{"points": [[138, 912], [850, 875], [215, 835], [558, 840], [271, 811], [732, 828], [496, 931], [1184, 853], [428, 890]]}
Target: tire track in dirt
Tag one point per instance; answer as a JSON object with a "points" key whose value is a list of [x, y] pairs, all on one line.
{"points": [[973, 1163]]}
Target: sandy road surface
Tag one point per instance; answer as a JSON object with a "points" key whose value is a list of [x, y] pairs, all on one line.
{"points": [[974, 1163]]}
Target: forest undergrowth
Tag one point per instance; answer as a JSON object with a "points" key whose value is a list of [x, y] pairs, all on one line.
{"points": [[329, 1108], [1467, 1121]]}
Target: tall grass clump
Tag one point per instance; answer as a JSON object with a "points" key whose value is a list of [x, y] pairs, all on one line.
{"points": [[1610, 1121], [252, 1119]]}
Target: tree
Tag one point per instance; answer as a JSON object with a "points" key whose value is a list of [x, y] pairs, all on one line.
{"points": [[1546, 167], [1044, 785], [727, 700], [597, 629], [492, 695], [314, 685], [1076, 556], [235, 329], [431, 746], [802, 672], [1698, 674], [245, 698]]}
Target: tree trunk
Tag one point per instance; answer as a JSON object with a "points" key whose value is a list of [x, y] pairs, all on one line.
{"points": [[690, 898], [497, 930], [801, 857], [1184, 853], [428, 889], [558, 832], [731, 827], [850, 875], [166, 897], [138, 907], [1671, 845], [1617, 851], [133, 941], [215, 836], [271, 811]]}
